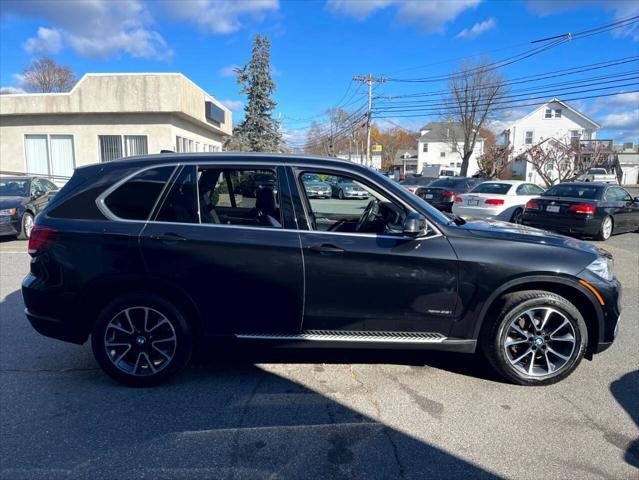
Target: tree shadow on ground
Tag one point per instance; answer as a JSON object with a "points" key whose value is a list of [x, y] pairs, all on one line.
{"points": [[626, 392]]}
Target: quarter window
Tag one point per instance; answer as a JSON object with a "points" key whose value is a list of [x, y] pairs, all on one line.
{"points": [[135, 199]]}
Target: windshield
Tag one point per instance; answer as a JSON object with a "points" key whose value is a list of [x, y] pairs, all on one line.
{"points": [[573, 191], [310, 177], [492, 187], [13, 187]]}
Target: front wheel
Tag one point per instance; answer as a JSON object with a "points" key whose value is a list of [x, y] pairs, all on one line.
{"points": [[537, 338], [26, 226], [141, 340]]}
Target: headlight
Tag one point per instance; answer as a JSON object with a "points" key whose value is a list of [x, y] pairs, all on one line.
{"points": [[8, 211], [602, 267]]}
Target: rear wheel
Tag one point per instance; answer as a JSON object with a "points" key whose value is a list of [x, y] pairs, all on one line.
{"points": [[141, 340], [340, 195], [518, 216], [537, 338], [26, 226], [606, 229]]}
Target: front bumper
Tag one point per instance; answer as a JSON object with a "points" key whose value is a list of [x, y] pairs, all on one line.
{"points": [[585, 225], [362, 196], [10, 225], [318, 194]]}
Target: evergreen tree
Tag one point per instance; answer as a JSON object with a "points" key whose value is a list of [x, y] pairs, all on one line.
{"points": [[259, 131]]}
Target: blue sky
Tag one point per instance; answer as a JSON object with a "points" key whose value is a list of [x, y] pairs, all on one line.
{"points": [[317, 46]]}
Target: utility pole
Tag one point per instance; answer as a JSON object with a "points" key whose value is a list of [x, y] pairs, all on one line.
{"points": [[369, 79]]}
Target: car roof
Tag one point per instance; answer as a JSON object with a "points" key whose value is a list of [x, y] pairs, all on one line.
{"points": [[507, 182], [13, 179], [587, 184]]}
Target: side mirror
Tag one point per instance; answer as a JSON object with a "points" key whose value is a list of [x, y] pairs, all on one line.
{"points": [[636, 200], [414, 224], [38, 193]]}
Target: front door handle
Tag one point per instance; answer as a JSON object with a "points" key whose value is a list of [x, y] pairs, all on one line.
{"points": [[326, 249], [168, 238]]}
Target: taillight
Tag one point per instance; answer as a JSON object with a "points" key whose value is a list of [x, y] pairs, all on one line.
{"points": [[584, 208], [40, 239], [494, 201], [411, 189], [532, 205], [458, 200], [448, 194]]}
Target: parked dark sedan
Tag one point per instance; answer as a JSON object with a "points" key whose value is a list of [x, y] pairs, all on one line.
{"points": [[582, 208], [21, 199], [149, 259], [412, 184], [441, 193]]}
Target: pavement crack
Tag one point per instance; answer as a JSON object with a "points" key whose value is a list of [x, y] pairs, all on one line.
{"points": [[367, 393], [387, 433]]}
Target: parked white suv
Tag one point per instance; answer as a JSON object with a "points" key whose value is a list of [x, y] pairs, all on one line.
{"points": [[499, 200]]}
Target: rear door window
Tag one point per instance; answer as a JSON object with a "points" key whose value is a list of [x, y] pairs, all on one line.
{"points": [[180, 204], [134, 199]]}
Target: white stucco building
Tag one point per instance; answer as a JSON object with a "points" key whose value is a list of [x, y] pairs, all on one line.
{"points": [[553, 120], [108, 116], [441, 143]]}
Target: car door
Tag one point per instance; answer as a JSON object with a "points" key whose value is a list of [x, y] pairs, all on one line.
{"points": [[244, 277], [628, 209], [617, 204], [372, 282]]}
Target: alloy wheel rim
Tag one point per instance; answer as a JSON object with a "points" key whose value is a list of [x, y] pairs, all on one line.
{"points": [[539, 342], [28, 225], [518, 217], [140, 341], [606, 227]]}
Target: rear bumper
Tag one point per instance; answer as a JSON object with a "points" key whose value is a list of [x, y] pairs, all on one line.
{"points": [[54, 328], [442, 206], [587, 225]]}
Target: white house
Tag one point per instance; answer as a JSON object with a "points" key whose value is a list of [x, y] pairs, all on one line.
{"points": [[441, 143], [555, 119]]}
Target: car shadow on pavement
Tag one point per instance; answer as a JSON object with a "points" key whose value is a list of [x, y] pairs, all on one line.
{"points": [[63, 418], [626, 392]]}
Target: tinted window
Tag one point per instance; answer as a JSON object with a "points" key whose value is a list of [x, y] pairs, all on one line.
{"points": [[134, 199], [12, 187], [180, 204], [417, 181], [529, 189], [573, 191], [617, 194], [309, 177], [491, 187]]}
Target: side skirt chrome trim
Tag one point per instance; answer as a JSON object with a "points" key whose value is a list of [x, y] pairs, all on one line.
{"points": [[349, 336]]}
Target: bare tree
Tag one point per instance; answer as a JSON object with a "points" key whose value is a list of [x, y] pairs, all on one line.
{"points": [[495, 160], [474, 90], [553, 160], [45, 75]]}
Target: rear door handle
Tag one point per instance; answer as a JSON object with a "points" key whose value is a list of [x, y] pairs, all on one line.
{"points": [[326, 249], [168, 238]]}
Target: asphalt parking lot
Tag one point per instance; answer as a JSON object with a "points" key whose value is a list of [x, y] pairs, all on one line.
{"points": [[255, 414]]}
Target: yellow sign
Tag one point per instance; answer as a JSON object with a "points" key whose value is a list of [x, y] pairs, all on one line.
{"points": [[377, 148]]}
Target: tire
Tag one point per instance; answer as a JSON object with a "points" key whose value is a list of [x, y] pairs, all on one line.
{"points": [[135, 358], [605, 232], [340, 195], [518, 217], [26, 225], [552, 360]]}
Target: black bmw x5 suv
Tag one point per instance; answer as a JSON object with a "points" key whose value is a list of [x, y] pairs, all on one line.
{"points": [[154, 256]]}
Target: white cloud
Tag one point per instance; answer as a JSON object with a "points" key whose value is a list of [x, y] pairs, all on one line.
{"points": [[477, 29], [220, 16], [228, 71], [430, 16], [48, 42], [93, 28], [233, 105], [622, 9], [622, 121]]}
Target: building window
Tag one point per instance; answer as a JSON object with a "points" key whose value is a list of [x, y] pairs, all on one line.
{"points": [[49, 155], [113, 147], [425, 147], [548, 113], [558, 113], [529, 138], [588, 135], [574, 134], [442, 154]]}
